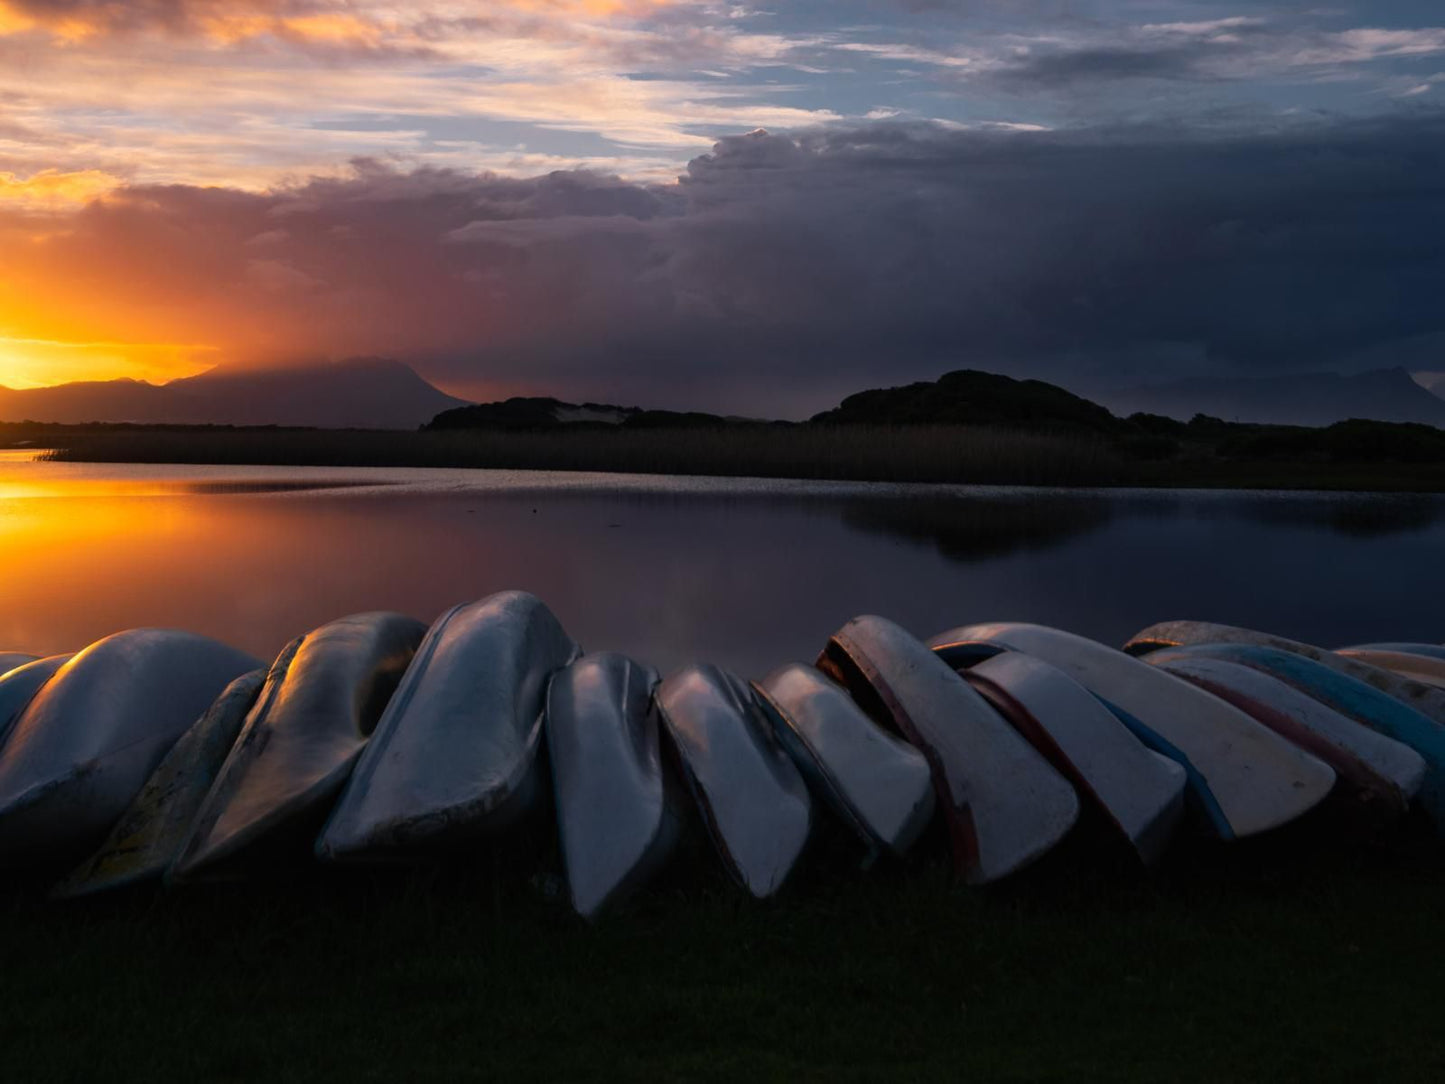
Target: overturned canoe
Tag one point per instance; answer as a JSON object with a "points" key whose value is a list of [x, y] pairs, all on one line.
{"points": [[1353, 699], [1408, 664], [1424, 698], [1382, 773], [9, 660], [1246, 778], [753, 802], [1138, 790], [1430, 651], [323, 697], [148, 836], [618, 811], [880, 786], [1005, 805], [19, 685], [92, 735], [454, 754]]}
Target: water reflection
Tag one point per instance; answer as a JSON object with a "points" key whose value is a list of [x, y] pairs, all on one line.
{"points": [[1362, 515], [745, 574], [975, 529]]}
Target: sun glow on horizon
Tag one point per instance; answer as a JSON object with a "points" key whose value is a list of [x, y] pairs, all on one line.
{"points": [[39, 363]]}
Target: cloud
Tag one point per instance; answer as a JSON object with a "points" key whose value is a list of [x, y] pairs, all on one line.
{"points": [[231, 21], [49, 190], [783, 270], [252, 92], [1055, 57]]}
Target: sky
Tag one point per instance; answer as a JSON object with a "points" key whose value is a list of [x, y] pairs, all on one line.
{"points": [[746, 207]]}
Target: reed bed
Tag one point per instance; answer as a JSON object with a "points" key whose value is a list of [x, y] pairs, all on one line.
{"points": [[979, 455], [956, 454]]}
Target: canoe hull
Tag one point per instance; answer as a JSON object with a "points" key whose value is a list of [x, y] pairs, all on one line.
{"points": [[19, 685], [9, 660], [149, 835], [90, 738], [751, 798], [1426, 699], [1353, 699], [1139, 792], [618, 812], [1408, 664], [1243, 777], [880, 786], [454, 756], [1380, 774], [1429, 651], [1005, 806], [321, 701]]}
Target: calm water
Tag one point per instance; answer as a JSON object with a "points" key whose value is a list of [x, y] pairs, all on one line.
{"points": [[744, 573]]}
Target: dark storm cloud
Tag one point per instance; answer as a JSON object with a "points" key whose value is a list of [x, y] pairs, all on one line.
{"points": [[1237, 47], [1061, 67], [784, 270]]}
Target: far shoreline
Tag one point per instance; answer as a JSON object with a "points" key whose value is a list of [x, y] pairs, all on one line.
{"points": [[958, 454]]}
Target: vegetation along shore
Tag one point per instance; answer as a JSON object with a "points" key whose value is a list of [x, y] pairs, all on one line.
{"points": [[967, 427]]}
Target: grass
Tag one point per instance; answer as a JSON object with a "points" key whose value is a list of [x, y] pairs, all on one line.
{"points": [[1314, 960]]}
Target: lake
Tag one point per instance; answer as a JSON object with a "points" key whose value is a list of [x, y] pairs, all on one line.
{"points": [[740, 572]]}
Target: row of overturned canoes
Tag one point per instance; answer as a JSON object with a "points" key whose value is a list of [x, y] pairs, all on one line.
{"points": [[158, 754]]}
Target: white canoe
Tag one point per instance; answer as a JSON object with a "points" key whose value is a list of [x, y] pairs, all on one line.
{"points": [[1409, 664], [877, 784], [323, 697], [19, 685], [9, 660], [1426, 699], [1139, 791], [92, 735], [753, 802], [1005, 805], [148, 836], [1353, 698], [1383, 773], [454, 755], [1430, 651], [618, 812], [1246, 778]]}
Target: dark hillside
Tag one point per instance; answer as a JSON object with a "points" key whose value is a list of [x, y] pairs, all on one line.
{"points": [[971, 397]]}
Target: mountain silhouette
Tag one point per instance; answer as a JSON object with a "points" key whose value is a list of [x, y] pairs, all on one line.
{"points": [[361, 393], [971, 397], [1316, 399]]}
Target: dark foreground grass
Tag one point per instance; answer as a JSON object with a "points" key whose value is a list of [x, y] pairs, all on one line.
{"points": [[1320, 961]]}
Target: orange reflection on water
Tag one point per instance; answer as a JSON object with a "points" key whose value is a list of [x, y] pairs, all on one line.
{"points": [[73, 568], [672, 572], [89, 549]]}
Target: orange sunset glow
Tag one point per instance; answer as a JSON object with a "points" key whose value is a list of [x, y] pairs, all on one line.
{"points": [[628, 199]]}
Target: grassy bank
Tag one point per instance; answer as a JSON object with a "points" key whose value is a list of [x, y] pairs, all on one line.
{"points": [[1239, 965], [956, 454]]}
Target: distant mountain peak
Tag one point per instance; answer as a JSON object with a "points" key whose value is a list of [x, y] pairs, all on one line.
{"points": [[360, 393]]}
